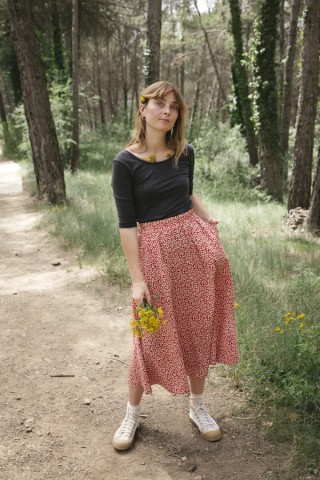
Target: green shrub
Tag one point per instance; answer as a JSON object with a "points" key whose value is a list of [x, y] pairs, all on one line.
{"points": [[98, 148], [61, 108], [222, 163]]}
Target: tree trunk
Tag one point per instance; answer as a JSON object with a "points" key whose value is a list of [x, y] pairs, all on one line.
{"points": [[212, 97], [96, 61], [195, 106], [241, 83], [281, 54], [182, 66], [57, 39], [300, 186], [270, 159], [213, 60], [44, 143], [152, 52], [287, 93], [3, 122], [75, 152], [313, 221]]}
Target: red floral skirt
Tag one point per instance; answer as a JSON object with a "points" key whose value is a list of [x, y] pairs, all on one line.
{"points": [[188, 273]]}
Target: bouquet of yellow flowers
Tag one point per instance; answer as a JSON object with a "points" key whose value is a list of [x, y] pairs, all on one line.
{"points": [[146, 320]]}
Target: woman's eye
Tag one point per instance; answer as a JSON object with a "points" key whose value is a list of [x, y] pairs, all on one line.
{"points": [[160, 104], [174, 107]]}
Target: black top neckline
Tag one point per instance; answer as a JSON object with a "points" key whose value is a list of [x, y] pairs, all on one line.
{"points": [[148, 161]]}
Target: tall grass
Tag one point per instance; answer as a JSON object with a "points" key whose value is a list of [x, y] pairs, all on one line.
{"points": [[89, 224], [277, 287], [275, 271]]}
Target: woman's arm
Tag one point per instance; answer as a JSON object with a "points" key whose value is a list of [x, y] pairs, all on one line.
{"points": [[201, 210], [129, 242]]}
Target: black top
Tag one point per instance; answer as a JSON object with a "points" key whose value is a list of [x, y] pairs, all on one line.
{"points": [[146, 191]]}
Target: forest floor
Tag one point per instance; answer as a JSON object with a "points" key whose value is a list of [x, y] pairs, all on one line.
{"points": [[60, 318]]}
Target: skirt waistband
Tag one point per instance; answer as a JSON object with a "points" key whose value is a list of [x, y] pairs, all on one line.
{"points": [[166, 222]]}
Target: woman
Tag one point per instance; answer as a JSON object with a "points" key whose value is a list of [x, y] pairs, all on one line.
{"points": [[175, 260]]}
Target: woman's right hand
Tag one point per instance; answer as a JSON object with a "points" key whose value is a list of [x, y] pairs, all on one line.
{"points": [[140, 293]]}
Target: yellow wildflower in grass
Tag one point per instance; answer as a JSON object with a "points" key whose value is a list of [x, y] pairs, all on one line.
{"points": [[59, 208], [236, 305], [288, 318], [147, 320]]}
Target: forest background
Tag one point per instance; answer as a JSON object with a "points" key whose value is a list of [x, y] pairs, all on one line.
{"points": [[71, 74]]}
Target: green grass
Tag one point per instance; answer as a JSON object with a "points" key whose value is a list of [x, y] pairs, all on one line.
{"points": [[89, 224]]}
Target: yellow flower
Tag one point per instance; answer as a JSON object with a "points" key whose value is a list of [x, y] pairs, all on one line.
{"points": [[142, 99], [300, 316], [147, 320], [236, 305], [151, 158], [277, 329], [302, 325]]}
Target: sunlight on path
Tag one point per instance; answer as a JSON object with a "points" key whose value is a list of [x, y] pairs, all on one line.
{"points": [[10, 178]]}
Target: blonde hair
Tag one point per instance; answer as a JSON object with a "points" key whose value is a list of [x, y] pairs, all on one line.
{"points": [[175, 139]]}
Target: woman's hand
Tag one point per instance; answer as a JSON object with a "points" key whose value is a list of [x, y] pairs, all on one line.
{"points": [[213, 221], [201, 210], [140, 293]]}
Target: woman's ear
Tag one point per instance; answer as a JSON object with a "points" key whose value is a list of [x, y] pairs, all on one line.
{"points": [[142, 109]]}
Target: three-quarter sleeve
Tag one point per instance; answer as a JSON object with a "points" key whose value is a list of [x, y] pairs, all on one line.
{"points": [[191, 168], [123, 194]]}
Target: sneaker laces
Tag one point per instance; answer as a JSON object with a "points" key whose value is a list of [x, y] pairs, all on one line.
{"points": [[204, 418], [128, 425]]}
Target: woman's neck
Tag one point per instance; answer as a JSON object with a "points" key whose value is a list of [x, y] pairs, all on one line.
{"points": [[156, 143]]}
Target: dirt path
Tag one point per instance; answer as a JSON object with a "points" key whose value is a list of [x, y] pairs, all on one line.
{"points": [[63, 320]]}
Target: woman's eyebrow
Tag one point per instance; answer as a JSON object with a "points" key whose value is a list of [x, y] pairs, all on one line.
{"points": [[175, 102]]}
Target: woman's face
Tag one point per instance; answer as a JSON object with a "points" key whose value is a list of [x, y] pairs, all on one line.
{"points": [[161, 113]]}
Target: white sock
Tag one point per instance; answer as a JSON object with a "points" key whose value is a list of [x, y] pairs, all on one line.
{"points": [[134, 408], [196, 398]]}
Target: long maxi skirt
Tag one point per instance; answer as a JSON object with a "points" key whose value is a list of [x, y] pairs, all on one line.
{"points": [[188, 274]]}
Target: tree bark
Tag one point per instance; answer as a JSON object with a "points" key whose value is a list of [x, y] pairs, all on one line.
{"points": [[152, 52], [313, 221], [281, 43], [195, 105], [241, 82], [57, 39], [44, 143], [182, 66], [270, 158], [3, 121], [75, 152], [288, 78], [96, 61], [300, 185]]}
